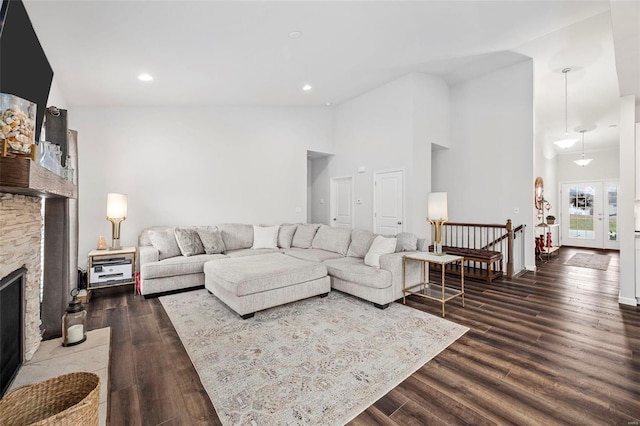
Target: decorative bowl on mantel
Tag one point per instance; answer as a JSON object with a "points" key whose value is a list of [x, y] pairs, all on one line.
{"points": [[17, 126]]}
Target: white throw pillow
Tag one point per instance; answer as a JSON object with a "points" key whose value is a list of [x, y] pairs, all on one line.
{"points": [[265, 237], [381, 245]]}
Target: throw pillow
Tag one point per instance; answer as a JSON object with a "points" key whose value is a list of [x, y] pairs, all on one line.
{"points": [[265, 237], [165, 242], [188, 241], [406, 242], [211, 240], [285, 235], [360, 242], [332, 239], [381, 245], [304, 235]]}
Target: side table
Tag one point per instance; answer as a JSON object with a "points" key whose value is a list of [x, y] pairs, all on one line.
{"points": [[430, 290], [111, 268]]}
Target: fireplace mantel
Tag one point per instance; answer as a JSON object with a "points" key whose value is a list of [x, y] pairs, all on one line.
{"points": [[23, 176]]}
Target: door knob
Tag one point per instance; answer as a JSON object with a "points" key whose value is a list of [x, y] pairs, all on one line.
{"points": [[399, 223], [334, 218]]}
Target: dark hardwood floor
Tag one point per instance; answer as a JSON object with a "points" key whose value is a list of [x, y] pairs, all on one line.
{"points": [[551, 347]]}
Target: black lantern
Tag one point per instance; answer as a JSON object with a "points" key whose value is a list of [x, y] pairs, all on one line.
{"points": [[74, 322]]}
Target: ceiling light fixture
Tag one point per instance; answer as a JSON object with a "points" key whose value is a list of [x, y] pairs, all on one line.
{"points": [[295, 34], [328, 103], [583, 161], [145, 77], [307, 87], [567, 142]]}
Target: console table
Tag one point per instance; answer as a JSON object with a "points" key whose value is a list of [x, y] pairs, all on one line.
{"points": [[432, 290], [542, 229]]}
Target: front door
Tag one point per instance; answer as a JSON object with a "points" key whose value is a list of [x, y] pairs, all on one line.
{"points": [[342, 202], [589, 212], [388, 215]]}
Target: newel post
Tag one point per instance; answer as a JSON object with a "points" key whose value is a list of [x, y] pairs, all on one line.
{"points": [[509, 249]]}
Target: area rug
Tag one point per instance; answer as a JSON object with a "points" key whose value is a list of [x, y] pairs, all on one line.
{"points": [[316, 361], [587, 260]]}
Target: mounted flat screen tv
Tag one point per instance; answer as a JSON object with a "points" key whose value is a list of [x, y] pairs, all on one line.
{"points": [[24, 69]]}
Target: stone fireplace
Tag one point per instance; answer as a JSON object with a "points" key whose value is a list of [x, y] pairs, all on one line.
{"points": [[21, 225]]}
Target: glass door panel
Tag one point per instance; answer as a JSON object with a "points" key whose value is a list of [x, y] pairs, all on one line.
{"points": [[582, 214], [611, 216]]}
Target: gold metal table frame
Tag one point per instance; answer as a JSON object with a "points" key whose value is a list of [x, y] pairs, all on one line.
{"points": [[428, 290]]}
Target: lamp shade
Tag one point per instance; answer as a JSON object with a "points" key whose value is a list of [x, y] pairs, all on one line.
{"points": [[116, 205], [583, 161], [566, 143], [437, 206]]}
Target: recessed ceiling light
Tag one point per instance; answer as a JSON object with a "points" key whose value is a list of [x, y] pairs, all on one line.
{"points": [[328, 103], [307, 87], [295, 34], [145, 77]]}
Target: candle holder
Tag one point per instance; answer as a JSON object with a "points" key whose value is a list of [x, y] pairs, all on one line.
{"points": [[74, 322]]}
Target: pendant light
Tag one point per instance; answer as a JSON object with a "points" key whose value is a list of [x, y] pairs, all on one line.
{"points": [[583, 161], [567, 142]]}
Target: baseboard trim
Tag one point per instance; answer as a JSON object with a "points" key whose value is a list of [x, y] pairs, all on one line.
{"points": [[631, 301]]}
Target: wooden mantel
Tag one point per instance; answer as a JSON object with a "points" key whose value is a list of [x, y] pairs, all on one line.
{"points": [[23, 176]]}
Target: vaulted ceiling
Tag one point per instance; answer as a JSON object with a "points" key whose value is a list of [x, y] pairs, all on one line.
{"points": [[241, 53]]}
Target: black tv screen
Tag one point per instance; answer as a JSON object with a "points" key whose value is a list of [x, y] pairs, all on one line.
{"points": [[24, 69]]}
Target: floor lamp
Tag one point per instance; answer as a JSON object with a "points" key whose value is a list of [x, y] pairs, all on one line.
{"points": [[437, 215]]}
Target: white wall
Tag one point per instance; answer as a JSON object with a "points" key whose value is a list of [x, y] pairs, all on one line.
{"points": [[488, 171], [190, 166], [627, 192], [56, 97], [605, 165], [320, 188], [391, 127]]}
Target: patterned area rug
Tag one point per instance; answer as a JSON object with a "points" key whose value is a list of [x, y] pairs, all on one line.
{"points": [[587, 260], [316, 361]]}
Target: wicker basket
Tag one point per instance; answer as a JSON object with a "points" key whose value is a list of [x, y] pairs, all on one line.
{"points": [[71, 399]]}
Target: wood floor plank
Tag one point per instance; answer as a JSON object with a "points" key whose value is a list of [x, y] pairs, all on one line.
{"points": [[550, 347], [124, 407]]}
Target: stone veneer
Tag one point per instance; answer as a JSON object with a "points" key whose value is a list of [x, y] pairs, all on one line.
{"points": [[21, 225]]}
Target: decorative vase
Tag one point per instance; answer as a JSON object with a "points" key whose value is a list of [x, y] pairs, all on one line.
{"points": [[102, 243], [50, 157]]}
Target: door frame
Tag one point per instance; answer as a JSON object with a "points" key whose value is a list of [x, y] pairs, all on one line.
{"points": [[332, 191], [375, 200]]}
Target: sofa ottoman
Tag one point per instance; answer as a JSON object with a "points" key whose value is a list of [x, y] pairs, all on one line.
{"points": [[254, 283]]}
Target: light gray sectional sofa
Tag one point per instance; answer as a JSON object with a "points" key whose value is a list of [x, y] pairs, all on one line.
{"points": [[164, 267]]}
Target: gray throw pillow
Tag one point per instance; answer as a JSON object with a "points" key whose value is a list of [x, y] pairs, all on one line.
{"points": [[360, 242], [304, 235], [285, 235], [211, 240], [165, 242], [406, 242], [189, 241]]}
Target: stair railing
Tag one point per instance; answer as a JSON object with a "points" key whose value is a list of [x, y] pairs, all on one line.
{"points": [[495, 237]]}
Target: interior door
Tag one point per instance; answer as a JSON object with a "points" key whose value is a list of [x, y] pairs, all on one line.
{"points": [[342, 202], [388, 215], [583, 214]]}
